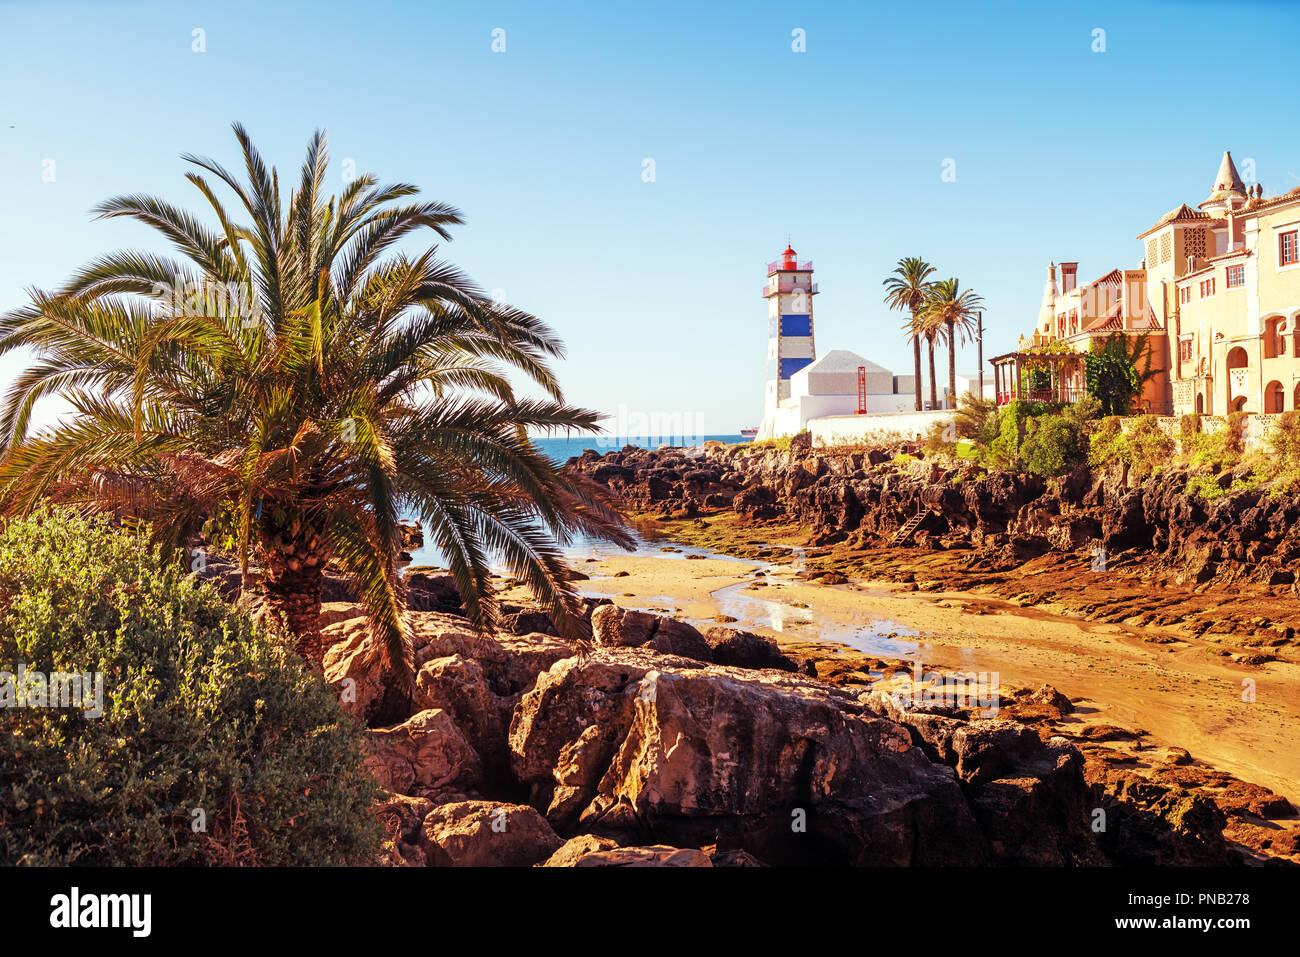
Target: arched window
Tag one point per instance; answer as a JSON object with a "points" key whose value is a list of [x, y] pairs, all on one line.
{"points": [[1274, 397], [1200, 403], [1274, 344]]}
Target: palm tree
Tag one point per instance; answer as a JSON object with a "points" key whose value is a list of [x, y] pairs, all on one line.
{"points": [[289, 378], [950, 311], [905, 290]]}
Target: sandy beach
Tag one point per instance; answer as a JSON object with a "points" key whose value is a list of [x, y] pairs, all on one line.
{"points": [[1174, 692]]}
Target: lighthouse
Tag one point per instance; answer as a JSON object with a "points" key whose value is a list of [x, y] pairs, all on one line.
{"points": [[789, 292]]}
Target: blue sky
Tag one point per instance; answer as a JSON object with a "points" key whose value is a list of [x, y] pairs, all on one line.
{"points": [[1060, 152]]}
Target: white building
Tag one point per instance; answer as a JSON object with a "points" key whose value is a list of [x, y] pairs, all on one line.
{"points": [[829, 386], [968, 382]]}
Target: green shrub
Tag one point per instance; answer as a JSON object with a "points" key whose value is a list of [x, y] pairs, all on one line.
{"points": [[1036, 437], [202, 709], [1208, 487], [1234, 440], [1107, 443], [1147, 448], [1053, 445], [1217, 450], [941, 438]]}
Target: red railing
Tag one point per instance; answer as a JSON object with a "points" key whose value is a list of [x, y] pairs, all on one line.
{"points": [[1061, 393], [771, 289], [780, 265]]}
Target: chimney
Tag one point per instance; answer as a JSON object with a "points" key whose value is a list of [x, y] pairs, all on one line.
{"points": [[1069, 277]]}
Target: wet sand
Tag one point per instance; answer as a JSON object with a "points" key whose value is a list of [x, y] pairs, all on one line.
{"points": [[1176, 690]]}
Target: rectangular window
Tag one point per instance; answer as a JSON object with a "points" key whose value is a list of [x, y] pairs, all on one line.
{"points": [[1288, 251], [1236, 276], [1207, 288], [1185, 294]]}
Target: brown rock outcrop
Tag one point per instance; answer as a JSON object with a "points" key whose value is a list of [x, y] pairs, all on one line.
{"points": [[427, 750], [486, 834], [635, 745]]}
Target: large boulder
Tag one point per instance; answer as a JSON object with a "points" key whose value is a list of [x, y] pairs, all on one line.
{"points": [[624, 628], [1030, 799], [427, 750], [458, 686], [510, 663], [486, 834], [432, 592], [745, 649], [646, 748], [354, 665]]}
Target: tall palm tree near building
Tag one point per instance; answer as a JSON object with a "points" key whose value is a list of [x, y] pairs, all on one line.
{"points": [[294, 379], [951, 312], [906, 290]]}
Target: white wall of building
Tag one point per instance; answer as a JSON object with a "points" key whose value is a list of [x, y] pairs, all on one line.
{"points": [[860, 429]]}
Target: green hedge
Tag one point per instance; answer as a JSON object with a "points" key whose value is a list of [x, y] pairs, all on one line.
{"points": [[203, 710]]}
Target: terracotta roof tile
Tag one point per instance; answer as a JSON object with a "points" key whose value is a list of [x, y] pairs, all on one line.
{"points": [[1183, 213]]}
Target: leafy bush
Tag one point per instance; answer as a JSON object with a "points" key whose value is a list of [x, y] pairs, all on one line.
{"points": [[1284, 437], [1146, 448], [1053, 445], [1004, 449], [1234, 435], [974, 424], [1041, 438], [1107, 443], [1209, 487], [1218, 450], [202, 709]]}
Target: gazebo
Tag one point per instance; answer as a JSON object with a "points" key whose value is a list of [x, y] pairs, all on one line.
{"points": [[1039, 375]]}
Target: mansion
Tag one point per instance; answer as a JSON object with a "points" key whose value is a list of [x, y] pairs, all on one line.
{"points": [[1217, 299]]}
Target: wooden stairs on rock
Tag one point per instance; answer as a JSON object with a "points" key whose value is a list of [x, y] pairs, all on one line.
{"points": [[908, 528]]}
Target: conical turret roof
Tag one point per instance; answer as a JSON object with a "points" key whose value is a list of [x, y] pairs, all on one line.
{"points": [[1227, 183]]}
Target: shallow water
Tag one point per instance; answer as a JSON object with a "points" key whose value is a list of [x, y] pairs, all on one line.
{"points": [[872, 635]]}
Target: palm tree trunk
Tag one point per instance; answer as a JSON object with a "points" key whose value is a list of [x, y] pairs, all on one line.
{"points": [[916, 356], [294, 559], [934, 397], [952, 364]]}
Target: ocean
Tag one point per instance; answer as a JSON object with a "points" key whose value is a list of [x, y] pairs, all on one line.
{"points": [[563, 449], [560, 450]]}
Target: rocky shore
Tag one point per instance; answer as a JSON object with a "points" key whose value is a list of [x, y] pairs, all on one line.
{"points": [[646, 750], [1143, 557], [1098, 546]]}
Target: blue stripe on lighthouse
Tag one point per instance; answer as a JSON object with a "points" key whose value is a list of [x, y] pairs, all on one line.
{"points": [[790, 366], [796, 325]]}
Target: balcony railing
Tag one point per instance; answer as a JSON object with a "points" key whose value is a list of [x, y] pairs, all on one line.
{"points": [[779, 265], [1059, 393], [772, 288]]}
